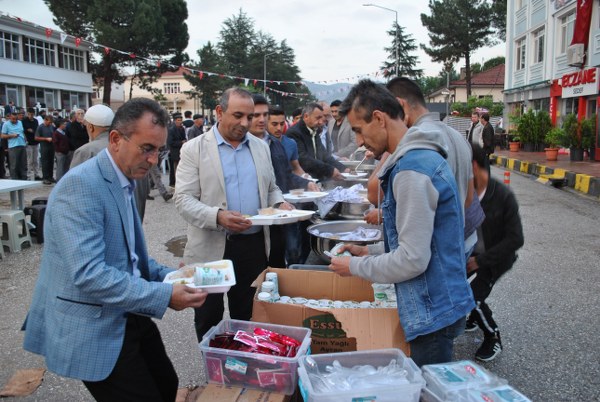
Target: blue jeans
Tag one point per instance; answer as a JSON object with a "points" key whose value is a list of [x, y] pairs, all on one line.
{"points": [[438, 346], [297, 247]]}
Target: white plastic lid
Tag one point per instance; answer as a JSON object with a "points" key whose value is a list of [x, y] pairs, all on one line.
{"points": [[265, 296], [267, 286]]}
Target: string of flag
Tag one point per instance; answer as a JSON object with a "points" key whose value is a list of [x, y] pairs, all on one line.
{"points": [[49, 32]]}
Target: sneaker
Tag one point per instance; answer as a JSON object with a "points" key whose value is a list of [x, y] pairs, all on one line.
{"points": [[471, 326], [167, 196], [489, 349]]}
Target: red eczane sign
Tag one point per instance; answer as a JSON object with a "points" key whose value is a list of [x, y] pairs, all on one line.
{"points": [[579, 78]]}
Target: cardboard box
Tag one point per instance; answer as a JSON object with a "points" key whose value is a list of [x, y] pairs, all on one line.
{"points": [[333, 329], [220, 393]]}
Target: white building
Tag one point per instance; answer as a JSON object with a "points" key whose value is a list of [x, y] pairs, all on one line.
{"points": [[36, 68], [543, 70]]}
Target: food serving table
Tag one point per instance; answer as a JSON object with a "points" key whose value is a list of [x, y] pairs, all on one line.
{"points": [[16, 189]]}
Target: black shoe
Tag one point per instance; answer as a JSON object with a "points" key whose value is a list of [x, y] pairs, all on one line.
{"points": [[167, 196], [38, 178], [489, 349], [471, 325], [149, 197], [52, 180], [47, 182]]}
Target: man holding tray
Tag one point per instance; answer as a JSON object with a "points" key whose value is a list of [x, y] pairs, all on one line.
{"points": [[223, 177]]}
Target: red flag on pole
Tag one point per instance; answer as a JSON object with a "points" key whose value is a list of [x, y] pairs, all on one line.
{"points": [[583, 21], [48, 32], [77, 42]]}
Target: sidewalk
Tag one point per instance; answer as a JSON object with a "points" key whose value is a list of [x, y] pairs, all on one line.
{"points": [[582, 176]]}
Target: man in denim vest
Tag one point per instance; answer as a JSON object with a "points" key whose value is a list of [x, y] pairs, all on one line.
{"points": [[423, 252]]}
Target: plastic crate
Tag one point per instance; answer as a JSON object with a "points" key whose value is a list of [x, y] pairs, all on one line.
{"points": [[502, 393], [384, 393], [446, 380], [253, 370]]}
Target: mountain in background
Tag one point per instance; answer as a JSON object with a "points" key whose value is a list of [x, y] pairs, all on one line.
{"points": [[329, 93]]}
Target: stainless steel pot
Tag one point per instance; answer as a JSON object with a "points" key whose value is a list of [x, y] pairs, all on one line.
{"points": [[349, 210], [331, 184], [319, 243]]}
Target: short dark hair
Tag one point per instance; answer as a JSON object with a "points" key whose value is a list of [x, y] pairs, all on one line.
{"points": [[479, 156], [485, 116], [224, 101], [297, 112], [336, 102], [475, 113], [276, 111], [259, 100], [187, 114], [368, 96], [60, 121], [177, 116], [408, 90], [133, 110], [197, 116]]}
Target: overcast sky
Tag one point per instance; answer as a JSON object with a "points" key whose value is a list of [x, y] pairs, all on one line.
{"points": [[332, 41]]}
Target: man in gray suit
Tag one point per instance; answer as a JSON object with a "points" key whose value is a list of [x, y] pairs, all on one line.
{"points": [[224, 176], [98, 289], [342, 136]]}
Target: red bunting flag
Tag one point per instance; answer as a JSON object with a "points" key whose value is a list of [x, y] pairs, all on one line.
{"points": [[48, 32], [254, 82], [132, 55], [158, 63], [201, 74], [106, 50], [77, 42]]}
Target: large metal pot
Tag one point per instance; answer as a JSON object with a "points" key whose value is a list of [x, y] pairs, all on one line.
{"points": [[349, 210], [331, 184], [319, 244]]}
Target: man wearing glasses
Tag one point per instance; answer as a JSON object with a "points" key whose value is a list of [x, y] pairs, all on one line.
{"points": [[98, 289]]}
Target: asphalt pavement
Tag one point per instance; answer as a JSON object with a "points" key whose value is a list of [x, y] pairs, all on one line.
{"points": [[546, 306]]}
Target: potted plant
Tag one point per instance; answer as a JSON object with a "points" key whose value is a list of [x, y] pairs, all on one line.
{"points": [[514, 143], [554, 138], [572, 137], [588, 136], [543, 126]]}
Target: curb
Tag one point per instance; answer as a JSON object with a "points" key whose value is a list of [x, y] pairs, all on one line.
{"points": [[583, 183]]}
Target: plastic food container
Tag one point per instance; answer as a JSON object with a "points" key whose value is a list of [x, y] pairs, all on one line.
{"points": [[225, 265], [502, 393], [383, 393], [253, 370], [446, 380]]}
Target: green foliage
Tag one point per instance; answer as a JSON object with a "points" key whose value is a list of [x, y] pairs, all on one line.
{"points": [[244, 52], [149, 27], [555, 137], [407, 60], [456, 29], [588, 132], [571, 127], [465, 109], [493, 62], [543, 126], [432, 84], [498, 18], [526, 127]]}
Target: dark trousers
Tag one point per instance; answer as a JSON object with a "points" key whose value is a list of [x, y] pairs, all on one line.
{"points": [[143, 371], [18, 163], [2, 163], [47, 160], [172, 169], [482, 314], [277, 255], [247, 252], [438, 346]]}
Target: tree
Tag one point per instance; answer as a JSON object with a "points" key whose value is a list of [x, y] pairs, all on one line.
{"points": [[432, 84], [407, 61], [236, 36], [456, 29], [493, 62], [207, 86], [499, 18], [152, 28]]}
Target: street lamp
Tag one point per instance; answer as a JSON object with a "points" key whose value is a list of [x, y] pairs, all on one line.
{"points": [[395, 28], [265, 72]]}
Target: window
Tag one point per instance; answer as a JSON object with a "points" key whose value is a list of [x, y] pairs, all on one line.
{"points": [[45, 97], [520, 56], [71, 100], [70, 59], [9, 46], [39, 52], [538, 46], [567, 25], [172, 88]]}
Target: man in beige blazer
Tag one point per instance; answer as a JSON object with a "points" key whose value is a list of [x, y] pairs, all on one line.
{"points": [[223, 176]]}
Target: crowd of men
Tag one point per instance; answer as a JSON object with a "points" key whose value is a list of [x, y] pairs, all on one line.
{"points": [[444, 218]]}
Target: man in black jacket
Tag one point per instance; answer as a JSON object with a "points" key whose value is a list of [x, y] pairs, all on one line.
{"points": [[487, 134], [499, 238], [312, 155], [175, 140]]}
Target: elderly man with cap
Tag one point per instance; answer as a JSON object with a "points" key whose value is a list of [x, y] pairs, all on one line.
{"points": [[97, 121], [197, 129]]}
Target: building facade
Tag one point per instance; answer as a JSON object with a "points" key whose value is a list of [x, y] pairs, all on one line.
{"points": [[174, 92], [544, 71], [486, 84], [38, 69]]}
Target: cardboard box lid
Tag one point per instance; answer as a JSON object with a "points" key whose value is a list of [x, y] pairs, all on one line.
{"points": [[220, 393], [318, 285]]}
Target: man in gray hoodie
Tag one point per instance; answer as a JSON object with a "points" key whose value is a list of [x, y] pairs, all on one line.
{"points": [[423, 252]]}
